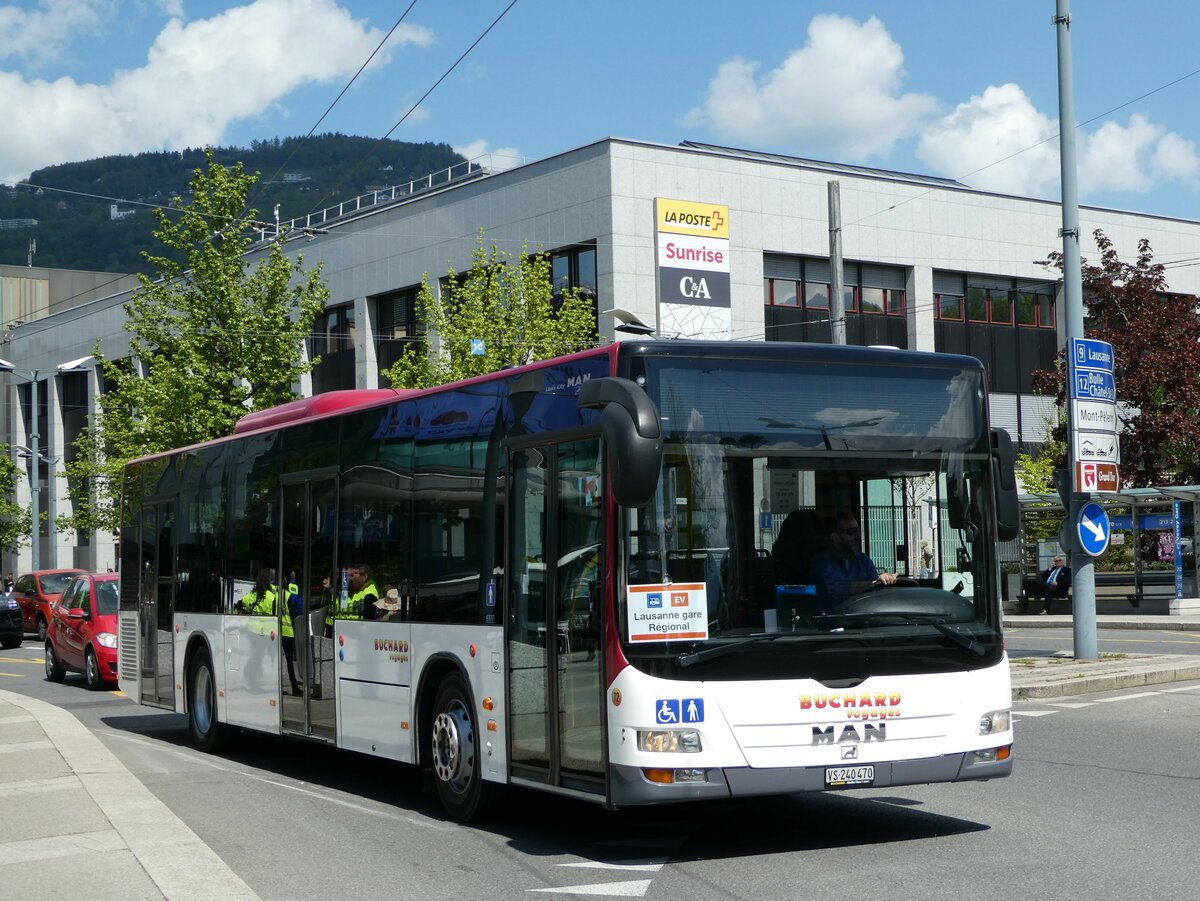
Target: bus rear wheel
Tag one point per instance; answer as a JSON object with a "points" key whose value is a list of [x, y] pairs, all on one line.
{"points": [[202, 703], [455, 750]]}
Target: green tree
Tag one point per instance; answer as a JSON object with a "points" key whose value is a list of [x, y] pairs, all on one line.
{"points": [[509, 304], [215, 339], [1156, 340], [14, 519]]}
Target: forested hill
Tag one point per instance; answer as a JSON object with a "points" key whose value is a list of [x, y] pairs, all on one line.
{"points": [[77, 229]]}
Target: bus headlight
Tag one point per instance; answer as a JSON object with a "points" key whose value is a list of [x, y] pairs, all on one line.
{"points": [[995, 721], [685, 740], [107, 639]]}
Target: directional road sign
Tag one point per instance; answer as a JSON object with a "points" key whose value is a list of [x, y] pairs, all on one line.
{"points": [[1094, 530]]}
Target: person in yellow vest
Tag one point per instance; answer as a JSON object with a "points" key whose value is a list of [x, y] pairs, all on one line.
{"points": [[356, 600], [287, 632], [259, 600]]}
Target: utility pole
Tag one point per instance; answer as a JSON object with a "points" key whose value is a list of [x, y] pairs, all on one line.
{"points": [[837, 300], [1083, 575]]}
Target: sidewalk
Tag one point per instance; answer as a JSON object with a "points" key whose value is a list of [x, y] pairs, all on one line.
{"points": [[65, 795], [1063, 676]]}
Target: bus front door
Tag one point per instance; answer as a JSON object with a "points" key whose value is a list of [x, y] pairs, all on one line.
{"points": [[156, 586], [306, 560], [555, 689]]}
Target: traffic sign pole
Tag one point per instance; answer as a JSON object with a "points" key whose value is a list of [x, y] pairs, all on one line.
{"points": [[1083, 577]]}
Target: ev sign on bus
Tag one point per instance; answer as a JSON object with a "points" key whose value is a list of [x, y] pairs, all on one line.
{"points": [[674, 612], [1095, 449], [693, 269]]}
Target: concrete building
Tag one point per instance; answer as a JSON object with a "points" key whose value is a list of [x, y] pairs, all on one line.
{"points": [[929, 264]]}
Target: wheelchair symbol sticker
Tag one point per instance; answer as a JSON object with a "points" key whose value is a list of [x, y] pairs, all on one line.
{"points": [[673, 711]]}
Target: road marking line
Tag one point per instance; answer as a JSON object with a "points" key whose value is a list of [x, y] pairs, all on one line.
{"points": [[13, 675], [635, 888], [1140, 694], [1020, 713], [652, 866]]}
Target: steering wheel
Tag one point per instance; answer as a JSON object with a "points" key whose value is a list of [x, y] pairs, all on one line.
{"points": [[901, 582]]}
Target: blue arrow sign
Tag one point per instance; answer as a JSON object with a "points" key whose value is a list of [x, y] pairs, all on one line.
{"points": [[1094, 530]]}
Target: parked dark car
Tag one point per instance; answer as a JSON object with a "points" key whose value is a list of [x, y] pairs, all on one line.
{"points": [[82, 636], [12, 631], [36, 592]]}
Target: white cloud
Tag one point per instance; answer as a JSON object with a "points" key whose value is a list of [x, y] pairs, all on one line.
{"points": [[497, 159], [42, 34], [994, 142], [1175, 158], [999, 141], [199, 77], [839, 94]]}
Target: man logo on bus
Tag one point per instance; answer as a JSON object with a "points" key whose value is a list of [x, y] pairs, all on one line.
{"points": [[654, 600], [679, 599]]}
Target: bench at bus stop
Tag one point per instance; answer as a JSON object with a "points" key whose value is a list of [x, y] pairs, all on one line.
{"points": [[1153, 594]]}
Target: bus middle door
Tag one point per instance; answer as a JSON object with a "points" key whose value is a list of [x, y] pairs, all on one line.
{"points": [[555, 687]]}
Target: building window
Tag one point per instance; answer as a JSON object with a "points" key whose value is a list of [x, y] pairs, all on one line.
{"points": [[396, 316], [574, 267], [816, 296], [949, 306], [1035, 307], [993, 301], [333, 331], [977, 304], [812, 290], [1000, 304], [780, 292]]}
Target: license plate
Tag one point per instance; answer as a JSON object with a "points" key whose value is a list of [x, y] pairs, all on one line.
{"points": [[842, 776]]}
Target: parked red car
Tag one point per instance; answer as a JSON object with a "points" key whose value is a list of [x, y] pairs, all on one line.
{"points": [[37, 592], [82, 636]]}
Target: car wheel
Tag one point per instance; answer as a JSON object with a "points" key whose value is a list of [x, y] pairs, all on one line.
{"points": [[54, 670], [11, 642], [91, 670], [455, 748], [202, 703], [41, 629]]}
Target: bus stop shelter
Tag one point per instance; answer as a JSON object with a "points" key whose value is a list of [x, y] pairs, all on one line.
{"points": [[1150, 564]]}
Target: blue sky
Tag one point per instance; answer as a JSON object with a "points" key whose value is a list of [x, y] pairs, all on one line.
{"points": [[930, 86]]}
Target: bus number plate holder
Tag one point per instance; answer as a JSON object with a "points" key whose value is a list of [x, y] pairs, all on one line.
{"points": [[847, 776]]}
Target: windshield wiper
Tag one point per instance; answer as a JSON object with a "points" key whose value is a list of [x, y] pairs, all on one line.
{"points": [[721, 650], [966, 642]]}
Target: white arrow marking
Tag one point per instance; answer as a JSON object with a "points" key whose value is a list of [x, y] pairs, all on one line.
{"points": [[648, 866], [635, 888], [1095, 528]]}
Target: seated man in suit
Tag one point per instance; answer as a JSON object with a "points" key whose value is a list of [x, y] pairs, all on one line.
{"points": [[1052, 582]]}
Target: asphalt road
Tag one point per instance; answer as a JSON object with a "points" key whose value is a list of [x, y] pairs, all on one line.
{"points": [[1099, 806], [1041, 642]]}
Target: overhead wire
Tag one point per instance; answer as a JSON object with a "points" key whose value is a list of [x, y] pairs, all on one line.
{"points": [[336, 99], [413, 108]]}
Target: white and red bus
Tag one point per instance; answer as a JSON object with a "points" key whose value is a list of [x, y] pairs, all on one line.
{"points": [[597, 575]]}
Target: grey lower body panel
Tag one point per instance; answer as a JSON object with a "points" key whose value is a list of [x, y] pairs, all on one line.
{"points": [[630, 787]]}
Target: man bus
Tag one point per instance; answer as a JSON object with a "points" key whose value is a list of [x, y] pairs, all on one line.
{"points": [[543, 626]]}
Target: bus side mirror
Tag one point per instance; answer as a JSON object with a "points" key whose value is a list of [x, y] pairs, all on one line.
{"points": [[632, 435], [1004, 478]]}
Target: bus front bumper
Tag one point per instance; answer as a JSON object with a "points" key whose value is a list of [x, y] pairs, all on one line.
{"points": [[632, 786]]}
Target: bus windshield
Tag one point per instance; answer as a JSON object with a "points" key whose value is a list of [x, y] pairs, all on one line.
{"points": [[815, 518]]}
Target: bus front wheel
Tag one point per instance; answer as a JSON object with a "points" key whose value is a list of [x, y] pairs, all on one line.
{"points": [[455, 749], [202, 703]]}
